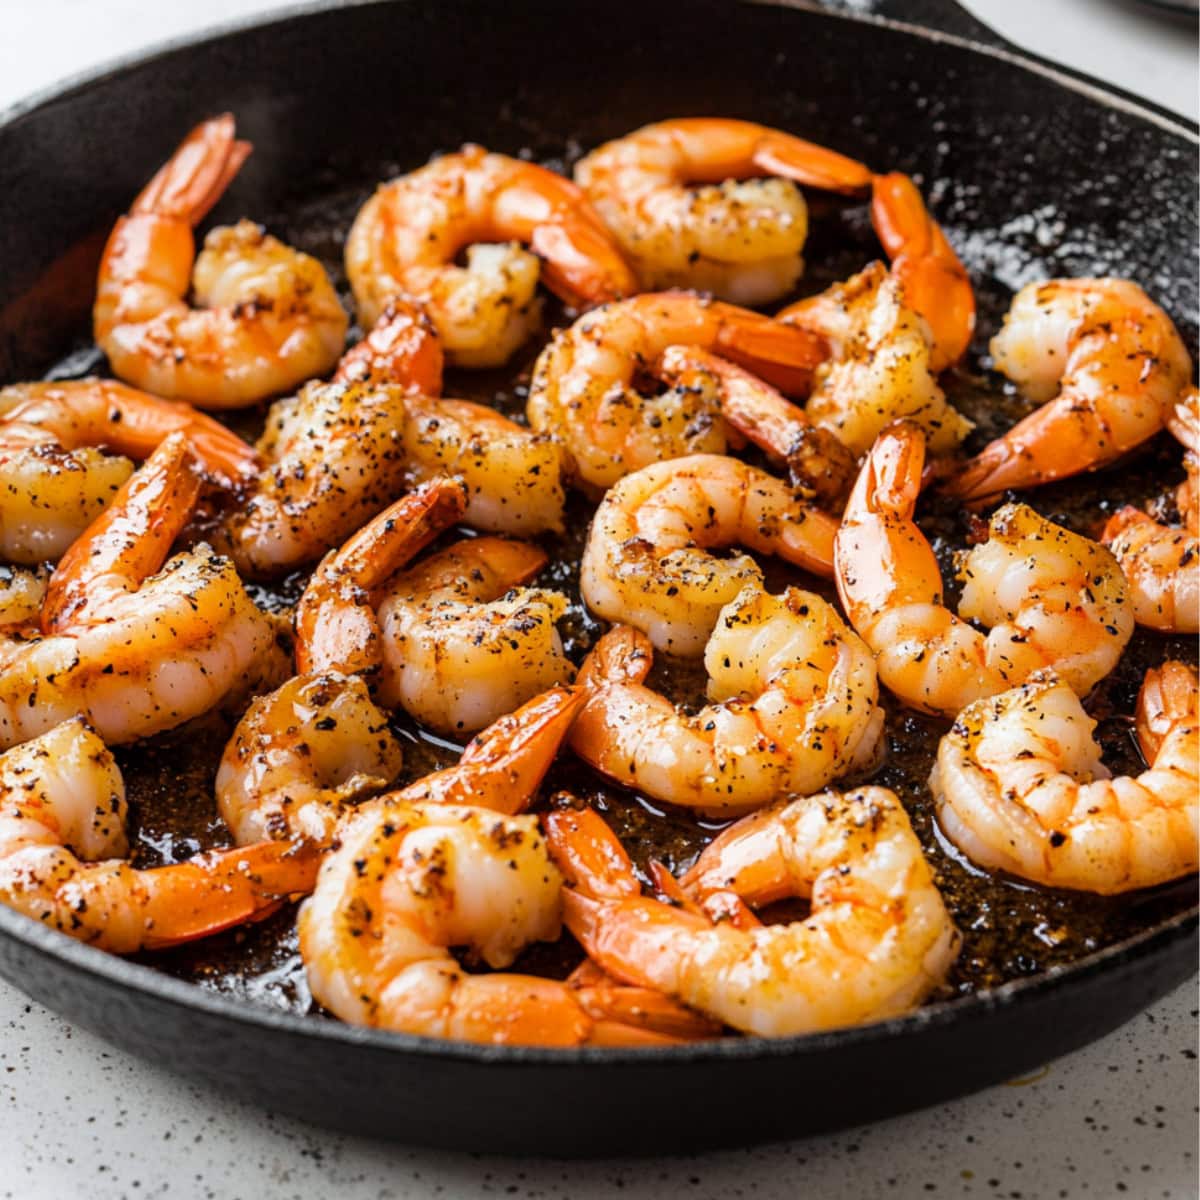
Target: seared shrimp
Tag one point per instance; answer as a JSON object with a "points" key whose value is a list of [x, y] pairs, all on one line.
{"points": [[795, 705], [647, 561], [584, 386], [405, 239], [1051, 597], [300, 756], [740, 236], [463, 642], [132, 651], [877, 941], [63, 851], [1108, 364], [1161, 563], [881, 366], [62, 456], [266, 317], [22, 593], [1020, 787]]}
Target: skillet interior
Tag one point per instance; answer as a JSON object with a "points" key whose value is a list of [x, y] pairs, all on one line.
{"points": [[325, 95]]}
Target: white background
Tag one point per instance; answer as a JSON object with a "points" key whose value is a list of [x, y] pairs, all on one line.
{"points": [[1118, 1118]]}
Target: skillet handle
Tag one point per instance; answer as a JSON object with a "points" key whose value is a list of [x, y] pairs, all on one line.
{"points": [[941, 16]]}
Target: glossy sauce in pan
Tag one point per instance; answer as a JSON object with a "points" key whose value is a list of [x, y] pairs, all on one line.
{"points": [[1010, 929]]}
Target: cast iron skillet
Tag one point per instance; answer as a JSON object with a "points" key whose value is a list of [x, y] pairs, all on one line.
{"points": [[357, 91]]}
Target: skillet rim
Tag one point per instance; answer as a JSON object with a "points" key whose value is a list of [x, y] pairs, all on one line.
{"points": [[142, 979]]}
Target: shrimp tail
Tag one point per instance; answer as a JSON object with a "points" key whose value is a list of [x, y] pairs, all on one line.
{"points": [[195, 177], [588, 853], [623, 655], [808, 163], [403, 348], [1168, 698], [890, 479]]}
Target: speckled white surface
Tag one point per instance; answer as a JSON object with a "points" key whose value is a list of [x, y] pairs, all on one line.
{"points": [[1119, 1118]]}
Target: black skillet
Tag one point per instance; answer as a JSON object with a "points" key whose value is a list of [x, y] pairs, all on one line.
{"points": [[336, 93]]}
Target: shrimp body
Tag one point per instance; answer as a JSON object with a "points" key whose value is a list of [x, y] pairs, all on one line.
{"points": [[63, 449], [1051, 597], [877, 941], [266, 317], [133, 651], [739, 236], [405, 239], [300, 756], [794, 706], [881, 367], [585, 384], [648, 563], [1107, 364], [463, 642], [63, 846], [1020, 787]]}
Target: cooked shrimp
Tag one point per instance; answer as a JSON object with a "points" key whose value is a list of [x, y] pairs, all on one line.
{"points": [[1106, 362], [62, 448], [648, 563], [740, 236], [584, 386], [300, 756], [63, 851], [463, 642], [266, 317], [795, 705], [405, 239], [1161, 563], [22, 593], [881, 367], [877, 941], [817, 462], [1051, 597], [1020, 787], [402, 347], [132, 651]]}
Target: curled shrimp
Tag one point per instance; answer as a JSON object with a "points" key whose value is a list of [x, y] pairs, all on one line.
{"points": [[1020, 787], [300, 756], [405, 239], [739, 236], [585, 391], [877, 941], [1162, 563], [266, 317], [63, 849], [648, 563], [794, 706], [134, 651], [881, 365], [63, 449], [1051, 597], [463, 641], [1105, 362]]}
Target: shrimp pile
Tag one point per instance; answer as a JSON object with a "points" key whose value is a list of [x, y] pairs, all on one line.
{"points": [[593, 724]]}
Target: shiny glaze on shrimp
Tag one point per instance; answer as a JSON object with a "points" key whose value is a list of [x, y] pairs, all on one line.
{"points": [[1051, 597], [876, 942], [1020, 787], [648, 563], [63, 449], [405, 239], [133, 651], [585, 386], [63, 850], [794, 706], [266, 317], [1107, 364], [741, 235]]}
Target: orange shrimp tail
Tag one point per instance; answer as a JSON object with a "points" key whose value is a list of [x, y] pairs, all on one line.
{"points": [[336, 628], [890, 479], [1169, 697], [581, 264], [518, 748], [932, 277], [130, 539], [589, 854], [195, 177], [619, 1006], [622, 655], [810, 164], [224, 888], [403, 349], [786, 356]]}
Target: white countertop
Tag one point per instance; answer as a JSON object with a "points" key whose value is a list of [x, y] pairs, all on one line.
{"points": [[1118, 1118]]}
